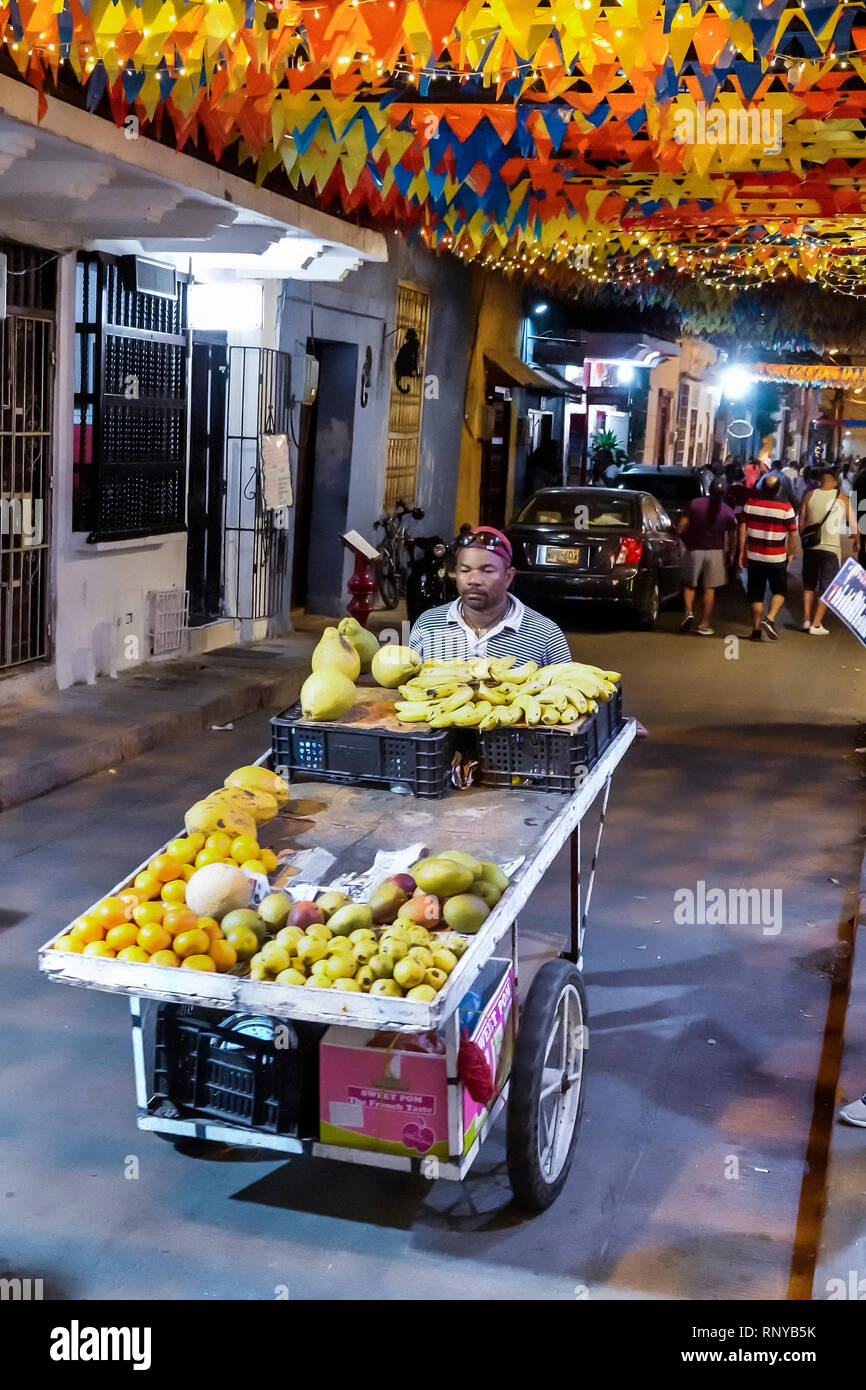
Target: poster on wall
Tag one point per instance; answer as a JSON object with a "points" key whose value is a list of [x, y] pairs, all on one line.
{"points": [[846, 597], [276, 471]]}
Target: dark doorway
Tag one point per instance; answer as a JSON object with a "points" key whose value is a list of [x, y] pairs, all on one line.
{"points": [[494, 458], [204, 573], [324, 467], [664, 417]]}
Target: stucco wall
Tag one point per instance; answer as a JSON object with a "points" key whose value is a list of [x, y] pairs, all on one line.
{"points": [[100, 596], [362, 311]]}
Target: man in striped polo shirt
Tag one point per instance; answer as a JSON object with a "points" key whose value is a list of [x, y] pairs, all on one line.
{"points": [[768, 540], [486, 620]]}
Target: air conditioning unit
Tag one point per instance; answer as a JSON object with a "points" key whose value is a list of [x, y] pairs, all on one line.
{"points": [[149, 277], [304, 379]]}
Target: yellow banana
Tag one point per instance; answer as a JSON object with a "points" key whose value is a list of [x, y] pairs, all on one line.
{"points": [[495, 694], [530, 706], [460, 697], [500, 667], [550, 715], [522, 673], [417, 690], [509, 714], [491, 720], [414, 713], [469, 715], [570, 714], [614, 676]]}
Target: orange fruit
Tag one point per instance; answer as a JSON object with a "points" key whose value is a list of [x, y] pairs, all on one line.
{"points": [[118, 938], [174, 891], [196, 839], [148, 882], [86, 930], [136, 953], [154, 938], [147, 913], [165, 867], [133, 896], [99, 948], [211, 926], [269, 859], [244, 847], [220, 842], [112, 911], [164, 958], [183, 850], [191, 943], [187, 872], [253, 866], [223, 955], [198, 962], [69, 943], [208, 856], [178, 919]]}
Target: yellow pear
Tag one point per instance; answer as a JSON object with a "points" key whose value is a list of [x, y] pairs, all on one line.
{"points": [[336, 653]]}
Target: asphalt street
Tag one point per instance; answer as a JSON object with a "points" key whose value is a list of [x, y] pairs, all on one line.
{"points": [[713, 1048]]}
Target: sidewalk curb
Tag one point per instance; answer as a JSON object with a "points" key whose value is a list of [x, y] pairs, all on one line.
{"points": [[840, 1268], [26, 779]]}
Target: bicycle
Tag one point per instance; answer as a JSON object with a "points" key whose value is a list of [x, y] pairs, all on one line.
{"points": [[392, 567]]}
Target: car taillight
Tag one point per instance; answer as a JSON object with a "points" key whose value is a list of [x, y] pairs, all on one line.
{"points": [[630, 551]]}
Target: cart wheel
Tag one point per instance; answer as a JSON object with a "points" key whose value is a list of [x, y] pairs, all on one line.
{"points": [[545, 1100]]}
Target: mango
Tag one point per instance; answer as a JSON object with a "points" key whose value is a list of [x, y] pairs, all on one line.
{"points": [[350, 918], [466, 913], [460, 857], [385, 902], [442, 877], [494, 875]]}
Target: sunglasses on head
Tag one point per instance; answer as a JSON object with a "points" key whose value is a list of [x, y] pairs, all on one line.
{"points": [[488, 541]]}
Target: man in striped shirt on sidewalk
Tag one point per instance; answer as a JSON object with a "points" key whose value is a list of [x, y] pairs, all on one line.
{"points": [[768, 540], [486, 620]]}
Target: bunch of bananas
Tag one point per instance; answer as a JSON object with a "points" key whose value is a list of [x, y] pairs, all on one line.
{"points": [[490, 693]]}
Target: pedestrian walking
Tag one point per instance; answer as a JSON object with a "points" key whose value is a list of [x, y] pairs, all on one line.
{"points": [[855, 1113], [709, 532], [768, 540], [824, 517]]}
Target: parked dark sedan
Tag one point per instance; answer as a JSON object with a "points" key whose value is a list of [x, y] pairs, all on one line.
{"points": [[673, 487], [592, 543]]}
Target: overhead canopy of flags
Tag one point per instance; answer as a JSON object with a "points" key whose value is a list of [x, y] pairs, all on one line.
{"points": [[580, 142]]}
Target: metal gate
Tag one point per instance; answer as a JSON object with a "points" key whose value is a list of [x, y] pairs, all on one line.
{"points": [[26, 414], [256, 540]]}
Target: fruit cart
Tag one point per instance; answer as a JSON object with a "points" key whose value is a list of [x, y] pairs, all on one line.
{"points": [[227, 1025]]}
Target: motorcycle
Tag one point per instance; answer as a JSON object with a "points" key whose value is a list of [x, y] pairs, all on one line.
{"points": [[431, 579]]}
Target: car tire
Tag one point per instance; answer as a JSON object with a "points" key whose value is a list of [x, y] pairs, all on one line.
{"points": [[649, 614]]}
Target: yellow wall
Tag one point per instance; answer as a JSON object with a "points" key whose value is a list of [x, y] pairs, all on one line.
{"points": [[497, 313]]}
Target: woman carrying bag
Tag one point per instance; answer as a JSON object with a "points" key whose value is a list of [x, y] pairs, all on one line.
{"points": [[824, 517]]}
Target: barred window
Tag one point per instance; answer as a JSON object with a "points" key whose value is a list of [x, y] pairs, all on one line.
{"points": [[130, 403], [406, 406]]}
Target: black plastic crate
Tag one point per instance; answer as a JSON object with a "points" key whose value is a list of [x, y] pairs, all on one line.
{"points": [[210, 1071], [548, 758], [418, 760]]}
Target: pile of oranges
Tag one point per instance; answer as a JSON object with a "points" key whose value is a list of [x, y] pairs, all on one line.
{"points": [[149, 921]]}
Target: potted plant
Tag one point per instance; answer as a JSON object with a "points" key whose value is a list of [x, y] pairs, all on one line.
{"points": [[606, 453]]}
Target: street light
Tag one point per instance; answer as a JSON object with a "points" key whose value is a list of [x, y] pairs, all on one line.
{"points": [[735, 382]]}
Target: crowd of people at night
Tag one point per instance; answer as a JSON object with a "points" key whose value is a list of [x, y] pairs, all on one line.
{"points": [[757, 517]]}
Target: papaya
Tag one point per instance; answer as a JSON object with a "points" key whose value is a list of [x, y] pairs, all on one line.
{"points": [[208, 817], [260, 779]]}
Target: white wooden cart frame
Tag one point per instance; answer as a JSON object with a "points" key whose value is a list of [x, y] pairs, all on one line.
{"points": [[238, 994]]}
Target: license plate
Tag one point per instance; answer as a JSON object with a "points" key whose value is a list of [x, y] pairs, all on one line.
{"points": [[557, 555]]}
